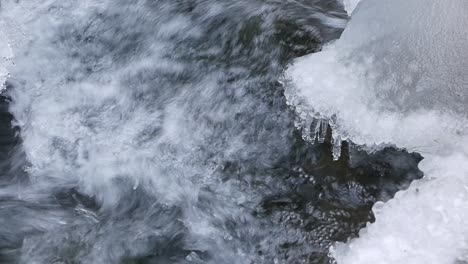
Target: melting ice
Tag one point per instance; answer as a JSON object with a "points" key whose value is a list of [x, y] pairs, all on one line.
{"points": [[398, 76]]}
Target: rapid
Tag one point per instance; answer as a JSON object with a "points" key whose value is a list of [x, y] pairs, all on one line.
{"points": [[195, 131]]}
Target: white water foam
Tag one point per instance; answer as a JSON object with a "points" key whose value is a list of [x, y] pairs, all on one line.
{"points": [[398, 75], [107, 104]]}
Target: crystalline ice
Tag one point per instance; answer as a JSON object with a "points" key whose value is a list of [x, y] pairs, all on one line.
{"points": [[398, 75]]}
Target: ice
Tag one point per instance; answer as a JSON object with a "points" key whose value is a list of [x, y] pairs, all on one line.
{"points": [[350, 5], [5, 55], [425, 224], [398, 75]]}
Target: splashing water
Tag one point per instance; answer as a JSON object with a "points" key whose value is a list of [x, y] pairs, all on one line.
{"points": [[156, 131], [397, 76], [152, 131]]}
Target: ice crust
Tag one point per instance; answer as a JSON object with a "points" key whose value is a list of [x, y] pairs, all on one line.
{"points": [[5, 55], [350, 5], [398, 76]]}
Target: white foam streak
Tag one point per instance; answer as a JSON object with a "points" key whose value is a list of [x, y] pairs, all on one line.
{"points": [[106, 104]]}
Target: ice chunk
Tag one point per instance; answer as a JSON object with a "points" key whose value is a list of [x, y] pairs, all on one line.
{"points": [[416, 49], [425, 224], [398, 75], [350, 5], [5, 56], [396, 63]]}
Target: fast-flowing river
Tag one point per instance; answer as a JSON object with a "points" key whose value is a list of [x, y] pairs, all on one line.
{"points": [[201, 131]]}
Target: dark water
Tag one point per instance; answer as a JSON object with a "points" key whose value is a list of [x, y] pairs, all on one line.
{"points": [[192, 155]]}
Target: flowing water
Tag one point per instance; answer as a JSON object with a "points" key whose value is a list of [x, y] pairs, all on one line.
{"points": [[188, 131]]}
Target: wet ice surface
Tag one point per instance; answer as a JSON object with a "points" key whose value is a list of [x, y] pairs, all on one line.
{"points": [[397, 76], [350, 5], [5, 57], [156, 132]]}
